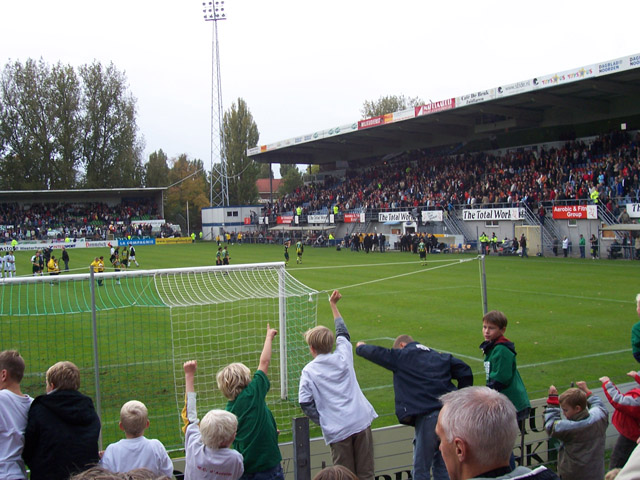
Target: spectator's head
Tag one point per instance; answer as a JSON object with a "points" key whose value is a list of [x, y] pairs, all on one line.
{"points": [[143, 474], [218, 429], [402, 341], [572, 402], [320, 340], [477, 428], [494, 324], [336, 472], [134, 418], [63, 376], [232, 379], [11, 368], [97, 473]]}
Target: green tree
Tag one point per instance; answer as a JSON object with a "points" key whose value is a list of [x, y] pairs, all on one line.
{"points": [[39, 127], [156, 170], [291, 180], [388, 104], [286, 168], [112, 151], [265, 171], [188, 184], [240, 134]]}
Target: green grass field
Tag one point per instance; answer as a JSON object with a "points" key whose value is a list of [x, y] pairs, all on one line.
{"points": [[570, 319]]}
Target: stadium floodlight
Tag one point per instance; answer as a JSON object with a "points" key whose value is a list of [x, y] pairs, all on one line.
{"points": [[214, 11]]}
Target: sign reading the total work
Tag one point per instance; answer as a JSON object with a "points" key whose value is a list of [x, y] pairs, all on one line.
{"points": [[509, 214], [395, 217], [573, 212], [633, 209]]}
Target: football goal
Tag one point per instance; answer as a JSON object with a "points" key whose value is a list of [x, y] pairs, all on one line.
{"points": [[130, 332]]}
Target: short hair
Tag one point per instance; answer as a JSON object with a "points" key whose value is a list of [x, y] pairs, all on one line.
{"points": [[638, 298], [232, 379], [63, 376], [402, 339], [335, 472], [574, 397], [143, 474], [320, 338], [484, 418], [218, 428], [97, 473], [134, 417], [497, 318], [13, 363]]}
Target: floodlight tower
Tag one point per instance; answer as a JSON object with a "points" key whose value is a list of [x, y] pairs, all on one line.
{"points": [[213, 12]]}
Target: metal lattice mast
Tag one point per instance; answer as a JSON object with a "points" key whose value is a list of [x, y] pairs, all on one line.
{"points": [[219, 193]]}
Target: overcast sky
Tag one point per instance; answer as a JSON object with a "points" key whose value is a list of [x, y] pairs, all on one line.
{"points": [[303, 65]]}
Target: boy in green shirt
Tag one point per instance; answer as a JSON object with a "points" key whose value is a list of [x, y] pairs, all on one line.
{"points": [[257, 436], [500, 365]]}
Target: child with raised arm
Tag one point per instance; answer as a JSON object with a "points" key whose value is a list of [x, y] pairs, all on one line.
{"points": [[257, 437], [14, 407], [330, 380], [136, 451], [583, 433], [207, 446], [626, 419]]}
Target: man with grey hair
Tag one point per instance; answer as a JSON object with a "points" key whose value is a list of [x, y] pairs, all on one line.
{"points": [[477, 427]]}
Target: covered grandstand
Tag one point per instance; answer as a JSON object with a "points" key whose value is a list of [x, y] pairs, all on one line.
{"points": [[591, 113]]}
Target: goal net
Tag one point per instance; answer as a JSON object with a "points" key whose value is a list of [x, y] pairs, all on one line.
{"points": [[130, 332]]}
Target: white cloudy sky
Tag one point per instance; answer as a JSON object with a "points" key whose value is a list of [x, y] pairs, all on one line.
{"points": [[303, 65]]}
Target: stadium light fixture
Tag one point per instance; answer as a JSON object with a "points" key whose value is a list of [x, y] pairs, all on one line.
{"points": [[214, 11]]}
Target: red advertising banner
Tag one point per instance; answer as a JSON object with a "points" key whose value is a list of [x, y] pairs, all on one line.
{"points": [[573, 212], [371, 122], [434, 107], [287, 219], [247, 220], [351, 218]]}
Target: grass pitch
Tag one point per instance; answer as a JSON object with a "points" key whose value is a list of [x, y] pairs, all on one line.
{"points": [[570, 319]]}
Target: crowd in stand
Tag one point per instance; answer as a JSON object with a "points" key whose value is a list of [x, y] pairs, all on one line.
{"points": [[610, 164], [75, 220]]}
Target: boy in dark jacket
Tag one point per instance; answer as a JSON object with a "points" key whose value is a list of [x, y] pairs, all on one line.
{"points": [[62, 432], [420, 377]]}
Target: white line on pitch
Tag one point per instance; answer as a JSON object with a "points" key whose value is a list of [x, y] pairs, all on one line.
{"points": [[550, 294], [452, 261], [601, 354]]}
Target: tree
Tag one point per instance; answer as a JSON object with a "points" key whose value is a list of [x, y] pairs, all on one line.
{"points": [[265, 171], [39, 126], [240, 134], [156, 170], [111, 149], [189, 185], [291, 180], [286, 168], [388, 104]]}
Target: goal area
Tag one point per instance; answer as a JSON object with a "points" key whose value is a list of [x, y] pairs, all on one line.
{"points": [[130, 332]]}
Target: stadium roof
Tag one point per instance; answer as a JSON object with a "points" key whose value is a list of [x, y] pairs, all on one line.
{"points": [[565, 105], [79, 195]]}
